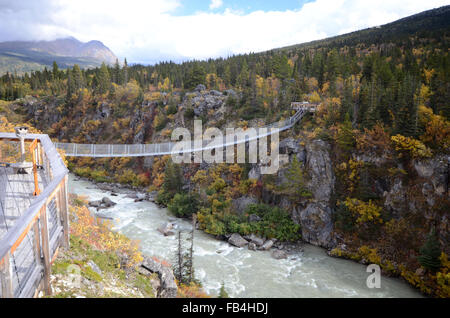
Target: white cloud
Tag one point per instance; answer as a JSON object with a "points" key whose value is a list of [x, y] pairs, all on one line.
{"points": [[149, 31], [215, 4]]}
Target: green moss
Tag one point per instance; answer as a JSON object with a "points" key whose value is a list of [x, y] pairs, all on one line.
{"points": [[89, 273], [144, 285], [60, 267], [107, 261]]}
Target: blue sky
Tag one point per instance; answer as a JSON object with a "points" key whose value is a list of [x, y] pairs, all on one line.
{"points": [[189, 7], [150, 31]]}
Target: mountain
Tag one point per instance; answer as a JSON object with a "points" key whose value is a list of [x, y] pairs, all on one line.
{"points": [[431, 24], [21, 56]]}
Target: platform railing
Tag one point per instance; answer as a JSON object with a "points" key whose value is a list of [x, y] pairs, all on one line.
{"points": [[31, 245]]}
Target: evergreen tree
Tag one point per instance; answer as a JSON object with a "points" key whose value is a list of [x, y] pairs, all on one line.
{"points": [[103, 80], [172, 178], [242, 80], [116, 73], [430, 253], [195, 77], [223, 293], [55, 71], [125, 72]]}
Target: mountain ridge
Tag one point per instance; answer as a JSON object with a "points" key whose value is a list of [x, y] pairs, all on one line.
{"points": [[25, 56]]}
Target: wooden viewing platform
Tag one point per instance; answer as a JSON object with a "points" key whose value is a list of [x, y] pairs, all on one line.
{"points": [[32, 228]]}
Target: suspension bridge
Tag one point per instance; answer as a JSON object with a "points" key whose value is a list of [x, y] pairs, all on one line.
{"points": [[34, 222], [161, 149]]}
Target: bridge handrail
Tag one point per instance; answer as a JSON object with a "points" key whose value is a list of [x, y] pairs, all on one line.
{"points": [[38, 208]]}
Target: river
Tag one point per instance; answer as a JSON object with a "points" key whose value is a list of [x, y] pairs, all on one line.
{"points": [[310, 273]]}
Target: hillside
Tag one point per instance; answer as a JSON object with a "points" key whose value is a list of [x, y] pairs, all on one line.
{"points": [[24, 57], [432, 24]]}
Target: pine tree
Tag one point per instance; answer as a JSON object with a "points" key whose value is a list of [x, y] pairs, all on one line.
{"points": [[172, 178], [55, 71], [116, 73], [125, 72], [223, 293], [103, 79], [430, 253]]}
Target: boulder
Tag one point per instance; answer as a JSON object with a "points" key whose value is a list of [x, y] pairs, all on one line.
{"points": [[95, 204], [107, 202], [141, 196], [267, 245], [166, 229], [278, 254], [237, 240], [252, 246], [255, 239]]}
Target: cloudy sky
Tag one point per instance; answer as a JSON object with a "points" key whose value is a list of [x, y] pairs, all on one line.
{"points": [[148, 31]]}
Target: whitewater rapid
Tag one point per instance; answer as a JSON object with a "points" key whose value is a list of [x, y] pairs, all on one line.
{"points": [[310, 273]]}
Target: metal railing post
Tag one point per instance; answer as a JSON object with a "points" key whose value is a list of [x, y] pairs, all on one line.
{"points": [[6, 277], [45, 249]]}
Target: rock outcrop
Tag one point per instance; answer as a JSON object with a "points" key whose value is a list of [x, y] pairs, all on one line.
{"points": [[240, 204], [315, 217], [168, 287]]}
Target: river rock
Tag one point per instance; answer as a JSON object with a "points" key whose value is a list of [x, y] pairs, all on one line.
{"points": [[278, 254], [95, 204], [252, 246], [258, 241], [166, 229], [237, 240], [141, 196], [107, 202], [267, 245]]}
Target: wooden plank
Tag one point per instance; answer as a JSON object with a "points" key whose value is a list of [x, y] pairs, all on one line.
{"points": [[6, 277], [45, 250]]}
